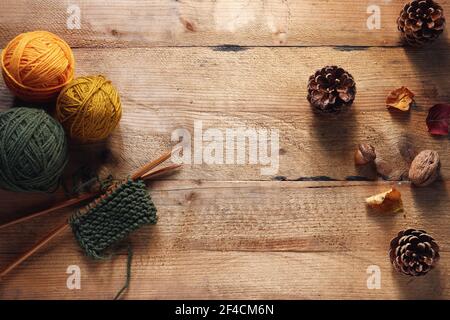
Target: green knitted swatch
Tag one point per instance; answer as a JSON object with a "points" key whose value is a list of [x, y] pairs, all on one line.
{"points": [[113, 218]]}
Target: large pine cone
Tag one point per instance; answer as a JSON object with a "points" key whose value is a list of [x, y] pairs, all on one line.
{"points": [[330, 89], [421, 22], [414, 252]]}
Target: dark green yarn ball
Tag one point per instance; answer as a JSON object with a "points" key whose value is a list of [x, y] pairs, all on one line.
{"points": [[33, 150]]}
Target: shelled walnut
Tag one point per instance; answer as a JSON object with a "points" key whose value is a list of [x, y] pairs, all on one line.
{"points": [[425, 168]]}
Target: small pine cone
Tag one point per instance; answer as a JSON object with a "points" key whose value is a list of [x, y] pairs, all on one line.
{"points": [[330, 89], [421, 22], [414, 252]]}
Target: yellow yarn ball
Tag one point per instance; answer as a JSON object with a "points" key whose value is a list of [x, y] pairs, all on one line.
{"points": [[36, 65], [89, 108]]}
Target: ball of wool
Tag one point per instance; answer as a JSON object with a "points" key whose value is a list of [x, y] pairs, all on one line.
{"points": [[89, 108], [33, 150], [37, 65]]}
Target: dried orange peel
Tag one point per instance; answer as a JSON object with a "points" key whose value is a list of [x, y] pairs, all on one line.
{"points": [[401, 98], [389, 201]]}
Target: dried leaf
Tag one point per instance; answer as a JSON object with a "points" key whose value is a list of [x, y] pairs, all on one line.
{"points": [[400, 98], [389, 201], [438, 119]]}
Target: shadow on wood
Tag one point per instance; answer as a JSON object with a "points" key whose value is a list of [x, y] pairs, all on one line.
{"points": [[335, 132], [423, 287], [433, 58], [429, 199]]}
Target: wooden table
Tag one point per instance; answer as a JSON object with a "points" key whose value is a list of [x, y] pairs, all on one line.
{"points": [[226, 231]]}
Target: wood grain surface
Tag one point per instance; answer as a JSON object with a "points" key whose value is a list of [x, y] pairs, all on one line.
{"points": [[246, 240], [146, 23], [226, 231]]}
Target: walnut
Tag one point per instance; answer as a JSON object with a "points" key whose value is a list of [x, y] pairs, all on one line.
{"points": [[425, 168], [365, 154]]}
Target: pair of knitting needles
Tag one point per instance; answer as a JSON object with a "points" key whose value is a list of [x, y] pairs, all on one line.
{"points": [[146, 172]]}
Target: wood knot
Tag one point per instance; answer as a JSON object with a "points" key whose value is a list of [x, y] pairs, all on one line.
{"points": [[190, 26]]}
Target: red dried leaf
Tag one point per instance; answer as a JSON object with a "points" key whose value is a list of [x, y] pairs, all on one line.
{"points": [[438, 119]]}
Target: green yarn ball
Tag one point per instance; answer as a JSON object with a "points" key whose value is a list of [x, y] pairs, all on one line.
{"points": [[33, 150]]}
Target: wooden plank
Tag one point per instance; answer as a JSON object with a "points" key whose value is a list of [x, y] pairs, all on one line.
{"points": [[164, 89], [223, 231], [127, 23], [245, 240], [224, 275]]}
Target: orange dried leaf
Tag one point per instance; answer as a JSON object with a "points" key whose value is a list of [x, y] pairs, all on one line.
{"points": [[400, 98], [389, 201]]}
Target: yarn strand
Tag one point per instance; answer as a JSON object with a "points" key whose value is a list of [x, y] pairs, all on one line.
{"points": [[128, 276]]}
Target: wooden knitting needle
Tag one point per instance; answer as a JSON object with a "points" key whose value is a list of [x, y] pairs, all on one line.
{"points": [[140, 174], [61, 205], [36, 247], [160, 172], [153, 164]]}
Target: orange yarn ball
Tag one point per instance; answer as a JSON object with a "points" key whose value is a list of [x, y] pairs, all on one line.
{"points": [[37, 65]]}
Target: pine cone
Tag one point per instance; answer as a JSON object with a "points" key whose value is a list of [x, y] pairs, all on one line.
{"points": [[421, 22], [330, 89], [414, 252]]}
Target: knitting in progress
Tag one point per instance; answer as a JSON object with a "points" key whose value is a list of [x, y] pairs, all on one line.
{"points": [[112, 217], [37, 65], [109, 219], [33, 150], [89, 108]]}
